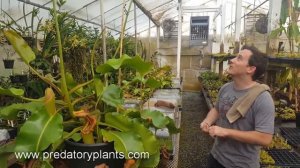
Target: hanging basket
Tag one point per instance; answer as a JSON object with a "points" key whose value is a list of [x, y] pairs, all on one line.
{"points": [[261, 25]]}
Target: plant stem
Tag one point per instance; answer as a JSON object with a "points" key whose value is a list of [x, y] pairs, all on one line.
{"points": [[45, 80], [64, 87], [29, 99], [80, 85]]}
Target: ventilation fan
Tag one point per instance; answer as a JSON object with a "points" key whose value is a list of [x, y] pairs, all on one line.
{"points": [[168, 25]]}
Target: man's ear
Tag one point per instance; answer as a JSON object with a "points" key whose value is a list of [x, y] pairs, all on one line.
{"points": [[251, 69]]}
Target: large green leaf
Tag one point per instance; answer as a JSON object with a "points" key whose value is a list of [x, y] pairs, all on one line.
{"points": [[125, 124], [112, 95], [284, 11], [172, 127], [152, 161], [293, 31], [99, 86], [124, 142], [152, 83], [5, 151], [11, 92], [275, 33], [10, 112], [20, 45], [39, 131], [139, 65], [157, 118], [71, 83], [112, 64]]}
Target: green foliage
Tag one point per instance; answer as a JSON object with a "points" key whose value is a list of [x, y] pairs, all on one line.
{"points": [[83, 104]]}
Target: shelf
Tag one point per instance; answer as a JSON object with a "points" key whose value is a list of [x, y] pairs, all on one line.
{"points": [[208, 101], [292, 135], [284, 157], [289, 131], [283, 61]]}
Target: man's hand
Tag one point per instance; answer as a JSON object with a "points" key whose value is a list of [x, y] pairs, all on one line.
{"points": [[204, 126], [216, 131]]}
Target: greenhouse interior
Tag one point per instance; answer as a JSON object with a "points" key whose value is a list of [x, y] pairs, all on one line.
{"points": [[149, 84]]}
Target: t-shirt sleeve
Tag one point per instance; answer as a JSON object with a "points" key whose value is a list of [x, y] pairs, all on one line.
{"points": [[264, 111]]}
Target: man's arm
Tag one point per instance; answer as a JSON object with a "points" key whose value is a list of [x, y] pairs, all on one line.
{"points": [[210, 119], [250, 137]]}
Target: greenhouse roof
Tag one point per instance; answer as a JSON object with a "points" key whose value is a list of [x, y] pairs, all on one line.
{"points": [[88, 11]]}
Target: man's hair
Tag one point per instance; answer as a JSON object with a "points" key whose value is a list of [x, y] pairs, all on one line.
{"points": [[257, 59]]}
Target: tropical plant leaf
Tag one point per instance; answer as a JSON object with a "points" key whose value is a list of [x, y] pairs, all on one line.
{"points": [[152, 83], [157, 118], [98, 86], [152, 161], [71, 83], [125, 124], [112, 95], [46, 164], [139, 65], [112, 64], [39, 131], [11, 92], [5, 151], [11, 112], [275, 33], [124, 142], [172, 126], [284, 12], [294, 31], [20, 45], [4, 159]]}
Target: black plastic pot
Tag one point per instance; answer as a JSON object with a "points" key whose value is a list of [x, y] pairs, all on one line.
{"points": [[101, 150], [23, 78], [12, 132], [14, 78], [8, 64]]}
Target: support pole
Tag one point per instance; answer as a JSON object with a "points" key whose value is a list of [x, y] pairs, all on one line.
{"points": [[273, 20], [149, 35], [103, 31], [135, 30], [179, 37], [238, 14], [157, 38], [223, 17]]}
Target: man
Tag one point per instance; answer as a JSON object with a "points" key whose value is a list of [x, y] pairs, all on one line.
{"points": [[237, 144]]}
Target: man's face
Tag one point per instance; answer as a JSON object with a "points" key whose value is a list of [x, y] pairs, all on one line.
{"points": [[240, 64]]}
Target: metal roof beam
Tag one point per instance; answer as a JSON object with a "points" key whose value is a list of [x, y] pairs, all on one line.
{"points": [[146, 12], [72, 16], [248, 12], [84, 6]]}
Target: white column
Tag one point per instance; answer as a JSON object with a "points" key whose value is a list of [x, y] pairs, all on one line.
{"points": [[149, 37], [223, 17], [135, 30], [157, 38], [179, 38], [274, 14], [238, 14]]}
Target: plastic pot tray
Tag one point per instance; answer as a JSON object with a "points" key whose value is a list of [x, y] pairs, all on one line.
{"points": [[293, 140], [285, 157], [289, 131]]}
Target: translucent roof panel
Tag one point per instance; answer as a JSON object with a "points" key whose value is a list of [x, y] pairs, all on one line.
{"points": [[88, 11]]}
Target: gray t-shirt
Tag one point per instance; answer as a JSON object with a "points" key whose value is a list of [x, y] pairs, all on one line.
{"points": [[260, 117]]}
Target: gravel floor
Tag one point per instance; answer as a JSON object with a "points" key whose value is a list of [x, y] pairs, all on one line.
{"points": [[194, 145]]}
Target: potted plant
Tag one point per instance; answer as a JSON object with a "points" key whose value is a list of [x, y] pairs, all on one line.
{"points": [[91, 112]]}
